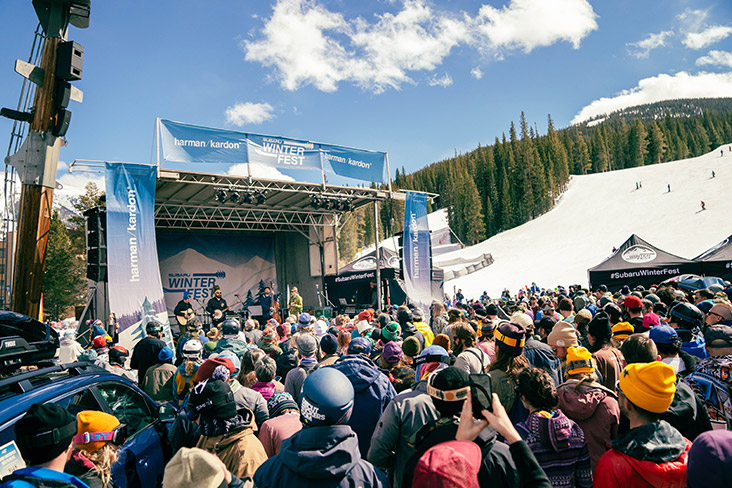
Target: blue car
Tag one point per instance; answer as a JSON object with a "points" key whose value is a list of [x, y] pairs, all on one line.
{"points": [[84, 386]]}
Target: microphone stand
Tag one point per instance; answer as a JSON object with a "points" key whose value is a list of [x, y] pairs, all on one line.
{"points": [[244, 310]]}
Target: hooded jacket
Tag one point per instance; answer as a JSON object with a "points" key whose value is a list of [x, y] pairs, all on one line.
{"points": [[559, 446], [652, 455], [541, 356], [320, 457], [240, 451], [409, 330], [596, 411], [372, 393]]}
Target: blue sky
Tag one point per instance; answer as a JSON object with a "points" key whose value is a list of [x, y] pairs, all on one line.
{"points": [[417, 79]]}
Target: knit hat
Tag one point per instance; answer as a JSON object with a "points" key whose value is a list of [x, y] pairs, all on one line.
{"points": [[599, 327], [487, 326], [441, 340], [562, 335], [390, 332], [448, 388], [165, 354], [650, 319], [663, 334], [359, 345], [93, 421], [510, 338], [522, 319], [579, 360], [206, 370], [328, 344], [44, 432], [282, 331], [491, 309], [279, 403], [583, 317], [392, 352], [411, 346], [210, 346], [579, 302], [307, 345], [194, 467], [363, 326], [453, 464], [650, 386], [304, 319], [365, 315], [213, 398], [622, 330], [710, 460], [632, 301], [99, 342], [269, 336]]}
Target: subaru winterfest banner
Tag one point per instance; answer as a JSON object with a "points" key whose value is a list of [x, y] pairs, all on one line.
{"points": [[135, 289], [187, 143], [416, 250], [195, 263]]}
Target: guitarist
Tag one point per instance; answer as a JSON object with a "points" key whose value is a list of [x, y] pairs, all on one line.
{"points": [[183, 311], [216, 304]]}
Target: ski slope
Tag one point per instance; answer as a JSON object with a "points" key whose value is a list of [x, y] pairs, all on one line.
{"points": [[600, 211]]}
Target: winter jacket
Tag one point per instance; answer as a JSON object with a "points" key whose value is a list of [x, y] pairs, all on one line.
{"points": [[240, 451], [473, 360], [409, 330], [497, 467], [83, 468], [373, 392], [320, 457], [711, 380], [253, 400], [687, 413], [427, 333], [505, 387], [24, 478], [183, 383], [610, 363], [652, 455], [277, 429], [69, 350], [596, 411], [266, 389], [541, 356], [403, 417], [145, 355], [159, 382], [296, 377], [559, 446]]}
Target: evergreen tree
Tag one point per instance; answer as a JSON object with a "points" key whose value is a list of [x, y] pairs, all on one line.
{"points": [[656, 144], [63, 275], [637, 145]]}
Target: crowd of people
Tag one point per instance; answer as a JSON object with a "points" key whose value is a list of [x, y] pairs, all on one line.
{"points": [[564, 388]]}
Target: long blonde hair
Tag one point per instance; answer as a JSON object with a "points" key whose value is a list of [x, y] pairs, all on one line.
{"points": [[103, 459]]}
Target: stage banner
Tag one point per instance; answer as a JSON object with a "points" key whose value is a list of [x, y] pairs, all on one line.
{"points": [[187, 143], [135, 289], [416, 251], [195, 263]]}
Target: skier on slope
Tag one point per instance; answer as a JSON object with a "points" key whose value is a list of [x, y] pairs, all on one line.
{"points": [[703, 205]]}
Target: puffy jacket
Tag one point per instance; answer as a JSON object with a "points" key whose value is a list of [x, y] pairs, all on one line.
{"points": [[408, 330], [403, 417], [373, 392], [240, 451], [596, 411], [24, 478], [427, 333], [652, 455], [541, 356], [320, 457]]}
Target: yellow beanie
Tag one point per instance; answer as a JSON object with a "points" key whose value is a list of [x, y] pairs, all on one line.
{"points": [[622, 330], [650, 386], [579, 360], [93, 421]]}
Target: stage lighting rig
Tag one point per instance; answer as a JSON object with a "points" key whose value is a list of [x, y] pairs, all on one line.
{"points": [[220, 195], [234, 196], [261, 197]]}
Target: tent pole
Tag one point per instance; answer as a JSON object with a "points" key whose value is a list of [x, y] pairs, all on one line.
{"points": [[378, 255]]}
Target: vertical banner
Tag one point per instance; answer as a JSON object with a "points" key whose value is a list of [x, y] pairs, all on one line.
{"points": [[416, 251], [135, 289]]}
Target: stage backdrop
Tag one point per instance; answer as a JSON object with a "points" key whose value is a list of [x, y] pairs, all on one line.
{"points": [[416, 251], [240, 265], [135, 290]]}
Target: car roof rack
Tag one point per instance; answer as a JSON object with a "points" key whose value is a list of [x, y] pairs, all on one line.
{"points": [[21, 383]]}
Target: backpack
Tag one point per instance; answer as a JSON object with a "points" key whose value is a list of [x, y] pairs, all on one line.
{"points": [[712, 390], [38, 482]]}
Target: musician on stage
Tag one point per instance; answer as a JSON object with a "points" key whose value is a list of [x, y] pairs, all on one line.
{"points": [[214, 304], [295, 306], [184, 309], [267, 303]]}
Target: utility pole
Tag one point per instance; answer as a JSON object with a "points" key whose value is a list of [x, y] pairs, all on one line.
{"points": [[37, 160]]}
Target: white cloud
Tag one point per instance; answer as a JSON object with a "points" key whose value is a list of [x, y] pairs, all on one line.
{"points": [[661, 87], [476, 73], [78, 180], [642, 48], [259, 171], [693, 20], [306, 44], [443, 81], [720, 58], [241, 114], [707, 37]]}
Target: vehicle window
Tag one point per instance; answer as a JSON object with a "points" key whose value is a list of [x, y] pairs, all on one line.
{"points": [[79, 401], [128, 406]]}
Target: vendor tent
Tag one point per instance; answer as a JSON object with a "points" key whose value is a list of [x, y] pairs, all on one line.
{"points": [[637, 262], [717, 261]]}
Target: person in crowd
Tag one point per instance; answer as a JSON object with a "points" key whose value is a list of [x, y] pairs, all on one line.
{"points": [[470, 358], [687, 320], [226, 431], [44, 436], [451, 464], [117, 359], [69, 349], [438, 317], [588, 403], [325, 452], [196, 467], [486, 342], [307, 351], [633, 308], [422, 326], [284, 421], [652, 453], [609, 360], [194, 331], [373, 390], [668, 345], [561, 338], [719, 314], [537, 353], [621, 331], [710, 460], [269, 343], [92, 460], [265, 369], [405, 317], [411, 349], [404, 416], [509, 362], [186, 372], [566, 310], [159, 379], [329, 348], [252, 333], [248, 375], [295, 305], [557, 441], [344, 337], [145, 352], [390, 360], [233, 339]]}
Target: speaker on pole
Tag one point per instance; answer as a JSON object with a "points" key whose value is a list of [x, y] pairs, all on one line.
{"points": [[96, 244]]}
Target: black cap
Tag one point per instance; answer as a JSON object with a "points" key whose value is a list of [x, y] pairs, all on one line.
{"points": [[44, 432], [213, 398], [328, 344]]}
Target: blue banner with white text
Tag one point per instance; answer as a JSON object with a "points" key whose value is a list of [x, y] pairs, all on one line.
{"points": [[416, 251], [135, 289], [187, 143]]}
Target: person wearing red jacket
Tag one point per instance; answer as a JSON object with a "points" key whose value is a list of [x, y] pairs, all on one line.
{"points": [[652, 453]]}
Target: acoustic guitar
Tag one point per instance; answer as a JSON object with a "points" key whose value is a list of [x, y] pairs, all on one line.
{"points": [[187, 315]]}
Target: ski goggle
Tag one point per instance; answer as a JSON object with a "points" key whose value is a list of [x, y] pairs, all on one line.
{"points": [[118, 436]]}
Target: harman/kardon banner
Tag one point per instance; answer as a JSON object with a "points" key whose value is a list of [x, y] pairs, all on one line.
{"points": [[187, 143], [416, 251], [135, 289]]}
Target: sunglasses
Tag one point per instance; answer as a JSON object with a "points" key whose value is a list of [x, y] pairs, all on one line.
{"points": [[715, 314]]}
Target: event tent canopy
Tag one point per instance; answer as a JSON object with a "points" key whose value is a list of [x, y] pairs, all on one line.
{"points": [[717, 261]]}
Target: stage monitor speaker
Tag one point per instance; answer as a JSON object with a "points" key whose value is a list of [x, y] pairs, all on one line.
{"points": [[326, 312]]}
